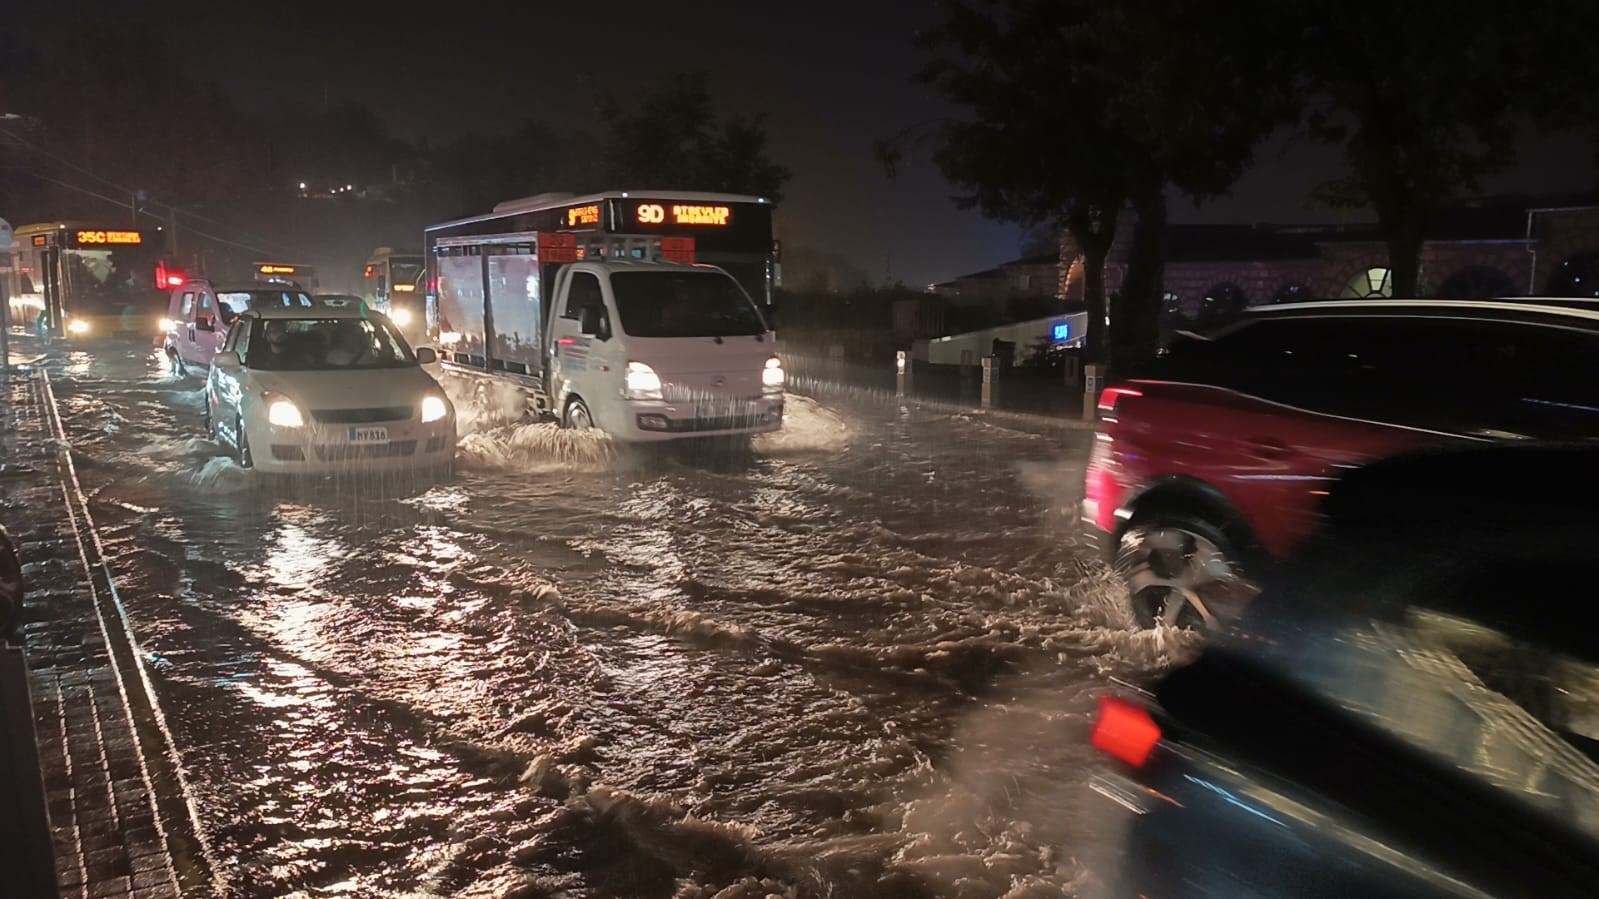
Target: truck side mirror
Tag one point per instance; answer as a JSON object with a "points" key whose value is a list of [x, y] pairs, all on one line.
{"points": [[591, 321], [205, 324]]}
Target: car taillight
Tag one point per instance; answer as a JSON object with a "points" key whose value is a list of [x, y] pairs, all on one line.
{"points": [[1124, 731], [1112, 395]]}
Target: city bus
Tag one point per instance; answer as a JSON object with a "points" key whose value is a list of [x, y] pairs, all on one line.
{"points": [[490, 279], [301, 276], [392, 284], [77, 280]]}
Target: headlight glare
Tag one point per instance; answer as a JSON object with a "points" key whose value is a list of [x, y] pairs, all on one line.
{"points": [[434, 408], [772, 376], [400, 317], [284, 413], [641, 382], [77, 326]]}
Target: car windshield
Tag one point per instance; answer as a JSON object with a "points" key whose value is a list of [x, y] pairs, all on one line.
{"points": [[311, 344], [684, 304]]}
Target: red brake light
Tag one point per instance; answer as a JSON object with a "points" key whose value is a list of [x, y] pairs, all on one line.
{"points": [[1108, 398], [1124, 730]]}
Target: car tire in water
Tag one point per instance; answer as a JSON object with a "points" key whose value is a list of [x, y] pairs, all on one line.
{"points": [[242, 438], [577, 415], [177, 363], [1181, 571]]}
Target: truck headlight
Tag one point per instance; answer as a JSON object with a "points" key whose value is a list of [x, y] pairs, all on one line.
{"points": [[772, 377], [77, 326], [434, 408], [400, 317], [284, 414], [641, 382]]}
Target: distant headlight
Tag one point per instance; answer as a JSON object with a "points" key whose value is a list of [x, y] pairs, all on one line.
{"points": [[434, 408], [772, 377], [284, 414], [77, 326], [641, 382], [401, 317]]}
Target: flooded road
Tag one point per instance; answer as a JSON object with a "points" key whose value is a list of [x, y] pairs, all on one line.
{"points": [[857, 662]]}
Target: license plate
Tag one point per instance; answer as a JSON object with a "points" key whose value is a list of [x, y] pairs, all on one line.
{"points": [[369, 435]]}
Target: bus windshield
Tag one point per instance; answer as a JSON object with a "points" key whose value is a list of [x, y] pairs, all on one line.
{"points": [[684, 304], [405, 270]]}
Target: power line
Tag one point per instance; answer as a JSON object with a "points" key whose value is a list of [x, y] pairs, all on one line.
{"points": [[174, 208], [129, 206]]}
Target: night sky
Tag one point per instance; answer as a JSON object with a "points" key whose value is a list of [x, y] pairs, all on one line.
{"points": [[831, 77]]}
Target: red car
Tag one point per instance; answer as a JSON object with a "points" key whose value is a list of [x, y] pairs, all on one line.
{"points": [[1211, 469]]}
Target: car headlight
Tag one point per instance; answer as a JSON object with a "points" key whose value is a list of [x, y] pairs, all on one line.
{"points": [[434, 408], [400, 317], [77, 326], [641, 382], [168, 324], [284, 414], [772, 377]]}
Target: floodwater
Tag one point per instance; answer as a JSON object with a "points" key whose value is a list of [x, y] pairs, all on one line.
{"points": [[858, 661]]}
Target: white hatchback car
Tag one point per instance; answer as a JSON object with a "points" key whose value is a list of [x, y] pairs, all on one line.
{"points": [[326, 389]]}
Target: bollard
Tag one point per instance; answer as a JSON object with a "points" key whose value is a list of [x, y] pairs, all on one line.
{"points": [[902, 373], [1092, 375], [990, 381]]}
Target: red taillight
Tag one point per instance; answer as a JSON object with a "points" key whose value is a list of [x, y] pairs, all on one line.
{"points": [[1111, 395], [1124, 730]]}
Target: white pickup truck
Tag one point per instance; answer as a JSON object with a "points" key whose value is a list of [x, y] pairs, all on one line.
{"points": [[631, 333]]}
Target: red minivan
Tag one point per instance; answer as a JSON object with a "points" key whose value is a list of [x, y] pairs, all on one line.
{"points": [[202, 310], [1210, 469]]}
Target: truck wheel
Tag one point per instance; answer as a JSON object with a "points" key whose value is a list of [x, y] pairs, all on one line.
{"points": [[1181, 571], [577, 417]]}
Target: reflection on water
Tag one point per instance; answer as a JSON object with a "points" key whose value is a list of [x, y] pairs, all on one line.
{"points": [[586, 671]]}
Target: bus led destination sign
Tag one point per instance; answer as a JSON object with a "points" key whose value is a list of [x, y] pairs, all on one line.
{"points": [[102, 238], [273, 269], [684, 214], [583, 215]]}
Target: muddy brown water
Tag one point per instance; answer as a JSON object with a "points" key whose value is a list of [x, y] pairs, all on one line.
{"points": [[857, 661]]}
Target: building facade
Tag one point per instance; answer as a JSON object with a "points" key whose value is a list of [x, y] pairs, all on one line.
{"points": [[1496, 248]]}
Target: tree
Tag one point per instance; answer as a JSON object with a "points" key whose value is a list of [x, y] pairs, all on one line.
{"points": [[674, 139], [1426, 98], [1078, 109]]}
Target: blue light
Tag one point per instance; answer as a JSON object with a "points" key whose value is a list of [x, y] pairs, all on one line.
{"points": [[1063, 331]]}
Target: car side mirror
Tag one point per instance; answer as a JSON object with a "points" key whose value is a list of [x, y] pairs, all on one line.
{"points": [[591, 321], [226, 359], [205, 324], [426, 355]]}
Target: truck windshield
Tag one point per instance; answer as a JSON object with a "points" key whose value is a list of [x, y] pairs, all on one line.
{"points": [[303, 344], [683, 304]]}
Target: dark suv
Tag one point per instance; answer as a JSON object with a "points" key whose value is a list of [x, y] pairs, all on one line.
{"points": [[1209, 470], [1411, 707]]}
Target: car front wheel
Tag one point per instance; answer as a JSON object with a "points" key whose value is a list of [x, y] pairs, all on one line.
{"points": [[1182, 572], [242, 440], [578, 417]]}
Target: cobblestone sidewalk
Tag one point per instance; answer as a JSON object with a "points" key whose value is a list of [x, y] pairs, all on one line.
{"points": [[120, 822]]}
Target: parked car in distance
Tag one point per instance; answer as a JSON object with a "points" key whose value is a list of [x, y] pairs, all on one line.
{"points": [[201, 312], [1209, 469], [326, 389], [1410, 708]]}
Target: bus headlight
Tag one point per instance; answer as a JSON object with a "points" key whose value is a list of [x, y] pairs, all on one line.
{"points": [[641, 382], [77, 326], [400, 317], [434, 408], [772, 377], [284, 413]]}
